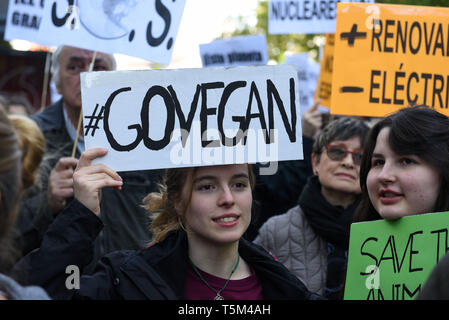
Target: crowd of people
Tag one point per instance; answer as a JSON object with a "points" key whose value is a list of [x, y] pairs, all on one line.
{"points": [[213, 232]]}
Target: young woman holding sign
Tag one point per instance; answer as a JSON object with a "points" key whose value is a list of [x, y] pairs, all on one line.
{"points": [[405, 168], [197, 251]]}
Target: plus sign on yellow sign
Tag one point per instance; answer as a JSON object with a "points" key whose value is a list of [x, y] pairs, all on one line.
{"points": [[388, 57]]}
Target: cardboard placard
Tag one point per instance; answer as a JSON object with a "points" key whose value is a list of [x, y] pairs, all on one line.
{"points": [[388, 57], [391, 260], [236, 51], [151, 119], [324, 85], [23, 20]]}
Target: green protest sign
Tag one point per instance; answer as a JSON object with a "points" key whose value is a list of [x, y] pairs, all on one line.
{"points": [[390, 260]]}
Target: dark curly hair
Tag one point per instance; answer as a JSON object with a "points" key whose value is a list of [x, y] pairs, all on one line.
{"points": [[342, 128]]}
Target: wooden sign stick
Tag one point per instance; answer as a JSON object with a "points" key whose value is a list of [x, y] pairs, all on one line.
{"points": [[45, 83], [80, 119]]}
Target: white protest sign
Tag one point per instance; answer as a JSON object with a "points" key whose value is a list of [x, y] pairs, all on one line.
{"points": [[144, 29], [308, 72], [23, 20], [152, 119], [303, 16], [243, 50]]}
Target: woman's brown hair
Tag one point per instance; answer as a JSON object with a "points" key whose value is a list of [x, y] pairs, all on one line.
{"points": [[176, 188]]}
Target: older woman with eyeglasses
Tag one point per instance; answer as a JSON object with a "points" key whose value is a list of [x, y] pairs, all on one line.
{"points": [[312, 238]]}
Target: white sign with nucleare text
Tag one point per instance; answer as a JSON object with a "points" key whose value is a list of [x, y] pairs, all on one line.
{"points": [[303, 16]]}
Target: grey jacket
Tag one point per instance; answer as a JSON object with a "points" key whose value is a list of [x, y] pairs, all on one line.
{"points": [[292, 240], [14, 291]]}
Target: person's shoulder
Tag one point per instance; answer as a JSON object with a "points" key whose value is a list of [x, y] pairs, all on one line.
{"points": [[436, 286], [50, 117], [15, 291], [286, 217]]}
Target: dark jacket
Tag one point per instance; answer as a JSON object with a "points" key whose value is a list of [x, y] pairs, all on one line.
{"points": [[275, 194], [156, 272], [436, 287], [126, 230]]}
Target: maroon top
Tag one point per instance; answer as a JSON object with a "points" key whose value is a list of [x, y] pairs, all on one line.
{"points": [[244, 289]]}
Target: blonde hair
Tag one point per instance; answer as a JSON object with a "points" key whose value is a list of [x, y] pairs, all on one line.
{"points": [[175, 190], [10, 186], [161, 205], [32, 143]]}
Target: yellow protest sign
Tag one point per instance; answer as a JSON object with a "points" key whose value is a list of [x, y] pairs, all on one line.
{"points": [[324, 86], [389, 56]]}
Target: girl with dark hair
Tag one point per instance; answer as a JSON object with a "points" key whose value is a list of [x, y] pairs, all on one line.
{"points": [[405, 166]]}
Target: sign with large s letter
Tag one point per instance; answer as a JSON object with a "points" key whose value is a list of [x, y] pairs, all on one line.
{"points": [[388, 57], [152, 119], [391, 260], [144, 29]]}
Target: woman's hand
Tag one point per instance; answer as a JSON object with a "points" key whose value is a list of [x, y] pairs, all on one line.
{"points": [[312, 121], [89, 179]]}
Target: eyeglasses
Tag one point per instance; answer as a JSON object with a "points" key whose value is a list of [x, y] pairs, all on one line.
{"points": [[339, 153]]}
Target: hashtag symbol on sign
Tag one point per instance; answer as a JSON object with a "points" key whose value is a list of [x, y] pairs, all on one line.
{"points": [[91, 124]]}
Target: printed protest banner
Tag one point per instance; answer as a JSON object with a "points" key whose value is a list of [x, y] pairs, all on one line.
{"points": [[389, 56], [236, 51], [391, 260], [151, 119], [324, 85], [303, 16], [308, 71], [23, 20], [144, 29]]}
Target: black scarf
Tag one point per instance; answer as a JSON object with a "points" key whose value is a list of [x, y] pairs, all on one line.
{"points": [[332, 223]]}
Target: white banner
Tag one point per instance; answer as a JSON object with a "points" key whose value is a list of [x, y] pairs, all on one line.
{"points": [[23, 20], [308, 72], [303, 16], [151, 119], [237, 51], [144, 29]]}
